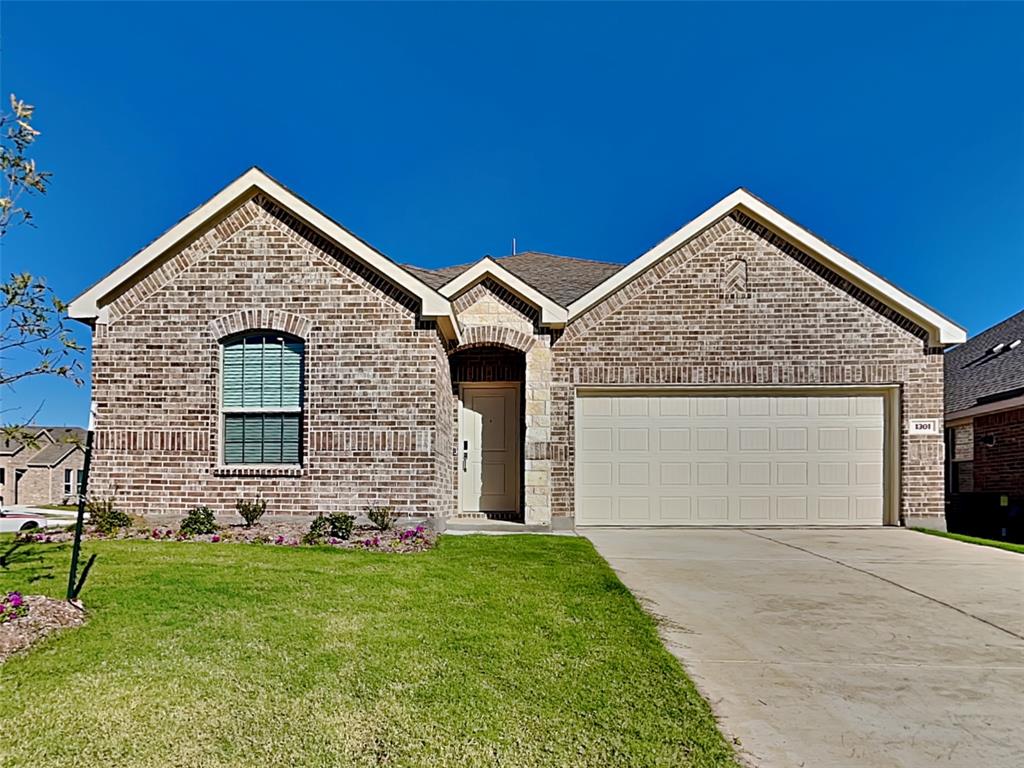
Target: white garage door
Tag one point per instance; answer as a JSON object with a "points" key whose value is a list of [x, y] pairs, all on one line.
{"points": [[706, 460]]}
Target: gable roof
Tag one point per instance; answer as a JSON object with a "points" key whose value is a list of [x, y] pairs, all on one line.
{"points": [[551, 312], [562, 288], [562, 278], [52, 444], [89, 305], [977, 375], [12, 445], [942, 330]]}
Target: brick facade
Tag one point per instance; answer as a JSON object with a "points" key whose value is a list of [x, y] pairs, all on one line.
{"points": [[36, 485], [998, 463], [734, 306], [696, 319], [377, 393]]}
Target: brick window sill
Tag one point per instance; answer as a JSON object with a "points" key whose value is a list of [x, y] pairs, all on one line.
{"points": [[258, 470]]}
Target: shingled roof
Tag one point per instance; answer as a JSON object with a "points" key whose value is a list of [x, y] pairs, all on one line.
{"points": [[45, 452], [975, 374], [561, 278]]}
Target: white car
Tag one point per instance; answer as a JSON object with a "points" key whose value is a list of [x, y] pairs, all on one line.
{"points": [[17, 521]]}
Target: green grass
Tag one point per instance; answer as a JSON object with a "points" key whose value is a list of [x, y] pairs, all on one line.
{"points": [[59, 507], [1009, 546], [487, 651]]}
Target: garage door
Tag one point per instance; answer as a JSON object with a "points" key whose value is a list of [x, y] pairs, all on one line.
{"points": [[706, 460]]}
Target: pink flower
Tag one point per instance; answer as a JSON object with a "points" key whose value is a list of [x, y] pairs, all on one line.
{"points": [[215, 538], [279, 540]]}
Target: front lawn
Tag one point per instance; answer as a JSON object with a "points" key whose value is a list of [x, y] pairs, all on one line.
{"points": [[1009, 546], [486, 651]]}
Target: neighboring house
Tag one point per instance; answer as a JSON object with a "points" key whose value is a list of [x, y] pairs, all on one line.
{"points": [[740, 372], [45, 469], [985, 425]]}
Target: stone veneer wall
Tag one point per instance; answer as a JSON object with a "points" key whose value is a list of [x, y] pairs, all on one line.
{"points": [[377, 399], [738, 306], [491, 316]]}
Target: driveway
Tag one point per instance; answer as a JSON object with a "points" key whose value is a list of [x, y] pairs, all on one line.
{"points": [[880, 647]]}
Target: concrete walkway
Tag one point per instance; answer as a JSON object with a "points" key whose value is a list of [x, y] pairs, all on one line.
{"points": [[860, 647]]}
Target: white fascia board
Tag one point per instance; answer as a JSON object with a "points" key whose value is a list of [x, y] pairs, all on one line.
{"points": [[942, 330], [434, 306], [551, 312]]}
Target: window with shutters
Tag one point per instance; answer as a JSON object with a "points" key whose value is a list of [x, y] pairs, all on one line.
{"points": [[261, 398]]}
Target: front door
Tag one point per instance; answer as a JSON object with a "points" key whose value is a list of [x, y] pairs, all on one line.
{"points": [[489, 448]]}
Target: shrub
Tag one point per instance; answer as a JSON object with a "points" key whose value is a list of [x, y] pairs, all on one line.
{"points": [[251, 511], [12, 606], [198, 522], [381, 517], [105, 517], [341, 525], [318, 530]]}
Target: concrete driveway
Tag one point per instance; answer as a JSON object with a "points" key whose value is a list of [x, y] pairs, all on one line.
{"points": [[819, 648]]}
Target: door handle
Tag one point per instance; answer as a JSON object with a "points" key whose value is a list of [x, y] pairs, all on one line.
{"points": [[465, 460]]}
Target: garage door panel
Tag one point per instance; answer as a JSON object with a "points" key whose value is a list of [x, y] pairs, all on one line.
{"points": [[697, 460]]}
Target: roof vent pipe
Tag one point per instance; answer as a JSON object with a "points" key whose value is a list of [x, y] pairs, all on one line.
{"points": [[1013, 344], [996, 349]]}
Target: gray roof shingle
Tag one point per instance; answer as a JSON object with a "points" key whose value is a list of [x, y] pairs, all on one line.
{"points": [[561, 278], [43, 452], [973, 373]]}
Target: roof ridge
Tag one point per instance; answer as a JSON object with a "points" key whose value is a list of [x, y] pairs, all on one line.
{"points": [[559, 256]]}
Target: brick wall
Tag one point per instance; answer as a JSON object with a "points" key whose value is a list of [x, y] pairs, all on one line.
{"points": [[999, 453], [377, 395], [780, 318]]}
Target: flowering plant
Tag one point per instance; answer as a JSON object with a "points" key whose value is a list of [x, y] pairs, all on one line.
{"points": [[12, 606]]}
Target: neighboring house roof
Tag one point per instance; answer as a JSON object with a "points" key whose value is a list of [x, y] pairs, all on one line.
{"points": [[563, 288], [11, 445], [977, 374], [50, 446]]}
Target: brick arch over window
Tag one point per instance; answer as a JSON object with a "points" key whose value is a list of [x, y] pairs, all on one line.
{"points": [[263, 319], [494, 336]]}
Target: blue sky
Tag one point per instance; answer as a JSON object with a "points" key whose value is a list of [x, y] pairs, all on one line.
{"points": [[439, 132]]}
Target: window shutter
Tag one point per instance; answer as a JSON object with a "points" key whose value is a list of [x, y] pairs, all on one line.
{"points": [[291, 375], [252, 373], [252, 447], [234, 437], [233, 373], [272, 363], [291, 430]]}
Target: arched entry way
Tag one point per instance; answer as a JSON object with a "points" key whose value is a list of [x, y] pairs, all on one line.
{"points": [[489, 386]]}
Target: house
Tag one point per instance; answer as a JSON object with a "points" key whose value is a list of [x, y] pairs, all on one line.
{"points": [[42, 466], [985, 428], [741, 372]]}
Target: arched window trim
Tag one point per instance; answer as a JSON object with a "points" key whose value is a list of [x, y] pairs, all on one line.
{"points": [[254, 432]]}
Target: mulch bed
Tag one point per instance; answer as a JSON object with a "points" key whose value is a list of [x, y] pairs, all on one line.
{"points": [[284, 533], [45, 616]]}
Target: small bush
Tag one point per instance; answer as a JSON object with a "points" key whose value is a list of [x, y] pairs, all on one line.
{"points": [[381, 517], [251, 511], [198, 522], [105, 517], [341, 525], [319, 529]]}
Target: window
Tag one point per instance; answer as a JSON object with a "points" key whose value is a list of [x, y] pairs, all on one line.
{"points": [[3, 476], [69, 489], [261, 398]]}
